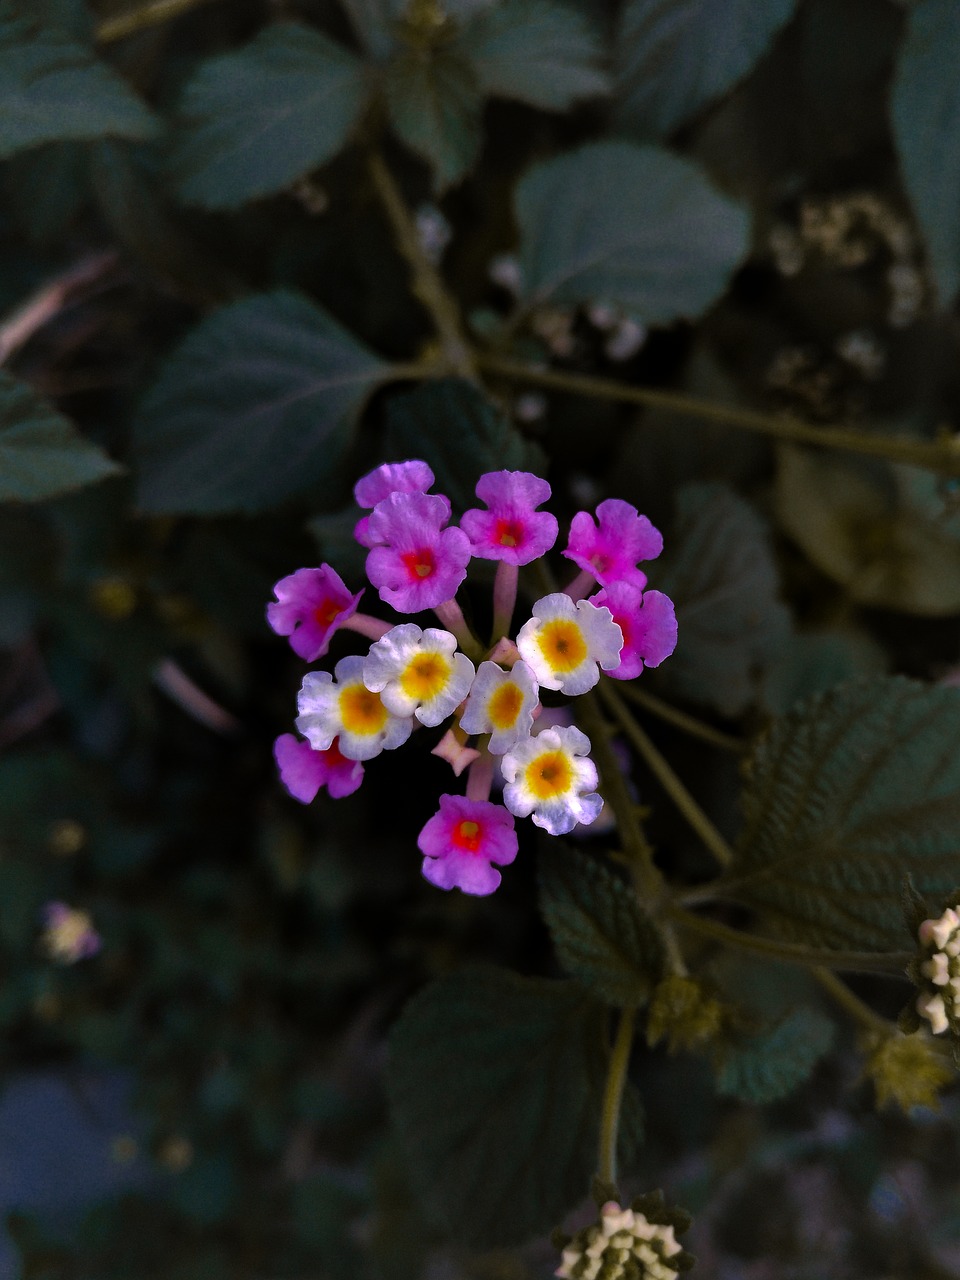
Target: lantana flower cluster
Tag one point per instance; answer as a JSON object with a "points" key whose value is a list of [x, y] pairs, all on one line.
{"points": [[487, 696], [939, 972], [636, 1243]]}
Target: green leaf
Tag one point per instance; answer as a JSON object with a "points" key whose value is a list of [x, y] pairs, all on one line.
{"points": [[535, 51], [256, 405], [815, 661], [628, 225], [53, 89], [454, 427], [676, 56], [42, 454], [601, 935], [496, 1084], [884, 532], [764, 1067], [926, 128], [256, 120], [719, 570], [850, 792], [433, 104]]}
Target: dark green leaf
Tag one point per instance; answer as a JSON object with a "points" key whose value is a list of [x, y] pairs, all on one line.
{"points": [[764, 1067], [676, 56], [628, 225], [719, 569], [257, 404], [814, 661], [256, 120], [373, 22], [496, 1083], [453, 426], [850, 792], [926, 127], [433, 103], [536, 51], [41, 452], [882, 531], [52, 89], [601, 935]]}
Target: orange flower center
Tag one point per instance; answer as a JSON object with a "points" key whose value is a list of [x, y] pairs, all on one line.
{"points": [[467, 836], [562, 644], [549, 775], [361, 711], [504, 707]]}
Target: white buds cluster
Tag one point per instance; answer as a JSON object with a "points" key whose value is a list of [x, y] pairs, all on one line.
{"points": [[628, 1244], [940, 1002]]}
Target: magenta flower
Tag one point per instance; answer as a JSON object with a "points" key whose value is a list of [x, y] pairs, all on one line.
{"points": [[303, 771], [609, 549], [648, 622], [417, 564], [392, 477], [462, 841], [311, 604], [512, 529]]}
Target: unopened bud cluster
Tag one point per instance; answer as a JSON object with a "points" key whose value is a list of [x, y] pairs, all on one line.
{"points": [[939, 1001], [638, 1243]]}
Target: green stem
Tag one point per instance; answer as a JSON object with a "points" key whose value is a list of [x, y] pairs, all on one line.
{"points": [[689, 724], [613, 1097], [841, 994], [891, 962], [426, 282], [665, 775], [147, 15], [940, 456]]}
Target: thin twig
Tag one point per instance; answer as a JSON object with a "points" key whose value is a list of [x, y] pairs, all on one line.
{"points": [[177, 685], [613, 1097], [689, 724], [49, 300], [669, 780], [147, 15], [426, 282], [940, 456]]}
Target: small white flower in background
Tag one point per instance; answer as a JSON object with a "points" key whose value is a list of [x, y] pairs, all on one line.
{"points": [[625, 340], [530, 407], [69, 934], [433, 232], [504, 270]]}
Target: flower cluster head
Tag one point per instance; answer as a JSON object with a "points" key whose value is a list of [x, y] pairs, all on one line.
{"points": [[637, 1243], [68, 934], [487, 696], [939, 972]]}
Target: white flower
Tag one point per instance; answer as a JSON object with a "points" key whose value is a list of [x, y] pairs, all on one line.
{"points": [[502, 704], [550, 779], [418, 672], [941, 1006], [564, 643], [346, 709]]}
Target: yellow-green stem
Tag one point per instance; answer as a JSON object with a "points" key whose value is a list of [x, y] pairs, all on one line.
{"points": [[940, 456], [689, 724], [665, 775], [613, 1097], [146, 15]]}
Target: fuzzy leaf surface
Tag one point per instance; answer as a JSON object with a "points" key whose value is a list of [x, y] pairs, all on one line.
{"points": [[53, 89], [495, 1083], [601, 935], [851, 791], [769, 1065], [433, 104], [720, 572], [537, 52], [628, 225], [256, 120], [42, 454], [257, 404], [456, 429], [676, 56], [926, 128]]}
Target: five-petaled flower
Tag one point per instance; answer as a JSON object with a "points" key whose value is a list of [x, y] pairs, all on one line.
{"points": [[393, 477], [304, 770], [343, 707], [565, 643], [648, 622], [462, 840], [551, 779], [512, 529], [608, 549], [502, 704], [416, 563], [418, 673], [311, 604]]}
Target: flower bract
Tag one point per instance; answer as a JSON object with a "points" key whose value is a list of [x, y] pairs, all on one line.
{"points": [[564, 643], [344, 708], [610, 547], [511, 529], [502, 704], [550, 779], [418, 672], [462, 840], [311, 604], [304, 770]]}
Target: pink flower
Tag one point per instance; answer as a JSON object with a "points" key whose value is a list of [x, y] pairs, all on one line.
{"points": [[511, 530], [648, 622], [392, 477], [417, 564], [311, 604], [462, 840], [69, 934], [304, 771], [610, 548]]}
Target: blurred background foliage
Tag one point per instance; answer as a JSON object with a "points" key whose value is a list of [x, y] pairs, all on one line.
{"points": [[210, 334]]}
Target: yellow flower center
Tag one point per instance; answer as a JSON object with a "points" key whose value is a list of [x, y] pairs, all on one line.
{"points": [[426, 676], [361, 711], [504, 707], [562, 644], [549, 775]]}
